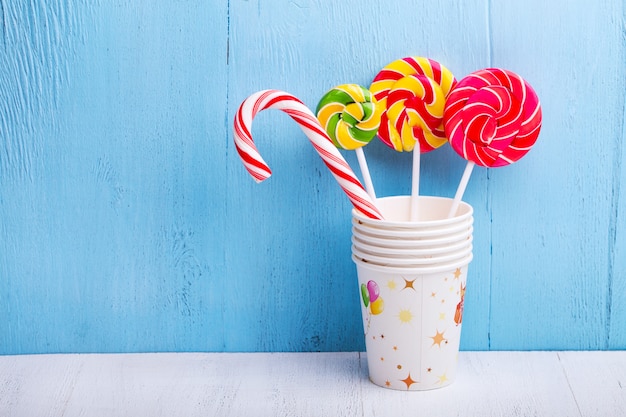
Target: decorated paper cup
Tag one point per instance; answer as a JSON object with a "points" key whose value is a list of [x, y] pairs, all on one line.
{"points": [[412, 277], [412, 323], [433, 212]]}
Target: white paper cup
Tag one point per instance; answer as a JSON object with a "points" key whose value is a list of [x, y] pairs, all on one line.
{"points": [[412, 323], [432, 212], [412, 277]]}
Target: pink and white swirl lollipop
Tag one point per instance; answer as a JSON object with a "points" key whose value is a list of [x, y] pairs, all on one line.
{"points": [[260, 171], [492, 118]]}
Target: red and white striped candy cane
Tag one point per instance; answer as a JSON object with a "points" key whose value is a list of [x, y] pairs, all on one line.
{"points": [[260, 171]]}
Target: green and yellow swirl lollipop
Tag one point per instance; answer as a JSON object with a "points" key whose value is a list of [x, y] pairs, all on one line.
{"points": [[351, 116]]}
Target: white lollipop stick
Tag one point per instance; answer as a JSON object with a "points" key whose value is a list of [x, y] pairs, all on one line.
{"points": [[415, 184], [461, 188], [367, 179]]}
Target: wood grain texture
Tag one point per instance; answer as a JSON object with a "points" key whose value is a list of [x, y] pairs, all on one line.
{"points": [[617, 245], [554, 257], [299, 217], [128, 224], [577, 384], [607, 376], [109, 243]]}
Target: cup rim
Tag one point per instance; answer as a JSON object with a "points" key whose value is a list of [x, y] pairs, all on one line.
{"points": [[417, 229], [415, 243], [411, 234], [417, 252], [415, 262], [414, 270], [414, 224]]}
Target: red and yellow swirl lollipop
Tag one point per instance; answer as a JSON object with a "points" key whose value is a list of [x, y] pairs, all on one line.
{"points": [[492, 118], [413, 93]]}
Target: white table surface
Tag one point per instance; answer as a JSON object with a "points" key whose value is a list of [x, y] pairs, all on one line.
{"points": [[551, 384]]}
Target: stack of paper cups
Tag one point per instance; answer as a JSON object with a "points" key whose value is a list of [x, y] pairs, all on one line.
{"points": [[412, 277]]}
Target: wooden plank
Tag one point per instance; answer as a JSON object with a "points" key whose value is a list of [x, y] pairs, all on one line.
{"points": [[598, 381], [551, 224], [488, 384], [617, 246], [577, 384], [179, 384], [112, 209], [38, 385], [289, 384], [127, 222], [288, 246]]}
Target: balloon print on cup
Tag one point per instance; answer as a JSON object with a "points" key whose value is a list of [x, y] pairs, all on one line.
{"points": [[373, 302]]}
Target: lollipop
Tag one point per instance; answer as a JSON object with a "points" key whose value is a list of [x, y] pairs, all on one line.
{"points": [[351, 117], [413, 91], [260, 171], [492, 118]]}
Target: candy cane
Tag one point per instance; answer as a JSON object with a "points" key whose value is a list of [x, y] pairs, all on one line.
{"points": [[260, 171]]}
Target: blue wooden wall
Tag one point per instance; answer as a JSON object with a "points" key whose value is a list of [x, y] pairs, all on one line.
{"points": [[127, 222]]}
